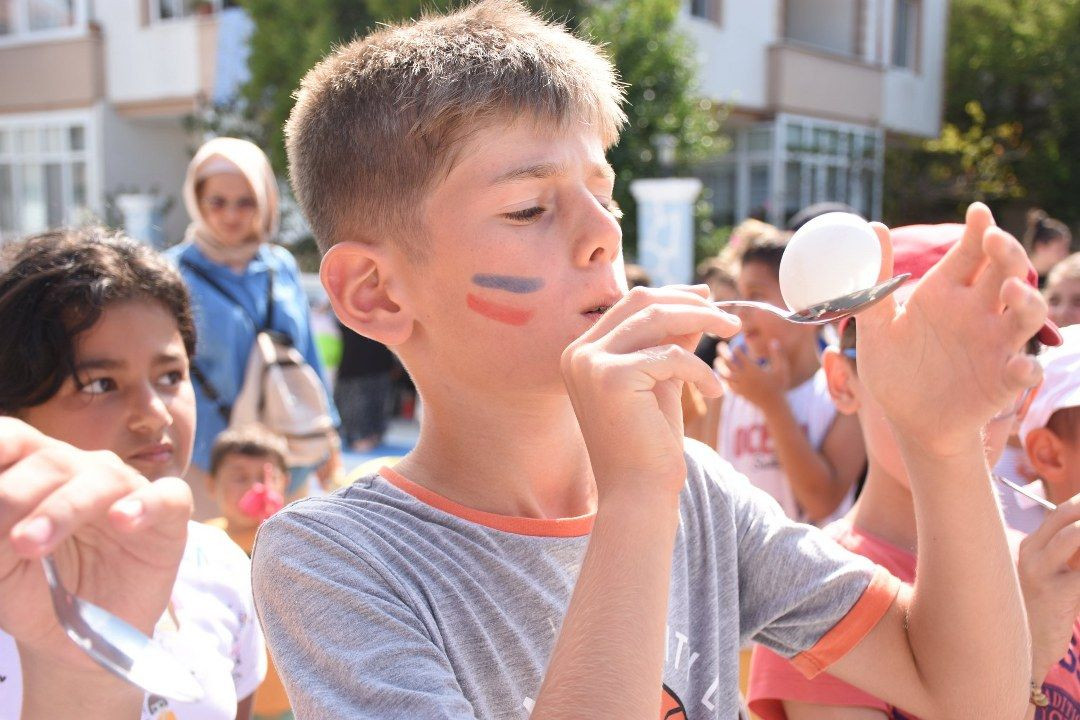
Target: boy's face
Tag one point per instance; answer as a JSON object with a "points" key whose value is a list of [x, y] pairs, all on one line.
{"points": [[524, 248], [1064, 301], [758, 281], [237, 474]]}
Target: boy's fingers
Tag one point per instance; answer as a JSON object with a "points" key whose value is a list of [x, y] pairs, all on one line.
{"points": [[672, 362], [1062, 546], [965, 261], [1022, 372], [1007, 260], [1025, 309], [640, 298], [884, 310], [661, 324]]}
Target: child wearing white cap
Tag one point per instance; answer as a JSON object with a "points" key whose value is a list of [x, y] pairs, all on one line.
{"points": [[1050, 434]]}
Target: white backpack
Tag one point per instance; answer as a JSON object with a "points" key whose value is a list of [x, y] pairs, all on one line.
{"points": [[280, 392]]}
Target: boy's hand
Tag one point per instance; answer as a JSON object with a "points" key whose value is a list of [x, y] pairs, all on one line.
{"points": [[762, 386], [1050, 579], [117, 539], [625, 376], [946, 361]]}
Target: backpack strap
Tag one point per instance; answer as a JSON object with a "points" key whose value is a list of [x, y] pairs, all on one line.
{"points": [[212, 394]]}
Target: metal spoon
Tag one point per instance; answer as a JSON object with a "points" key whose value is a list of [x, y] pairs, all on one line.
{"points": [[830, 310], [118, 647], [1026, 493]]}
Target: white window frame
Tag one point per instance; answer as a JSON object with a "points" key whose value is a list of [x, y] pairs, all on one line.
{"points": [[23, 35], [155, 12], [90, 120]]}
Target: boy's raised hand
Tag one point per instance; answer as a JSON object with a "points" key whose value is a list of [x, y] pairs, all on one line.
{"points": [[947, 360], [625, 377], [116, 538]]}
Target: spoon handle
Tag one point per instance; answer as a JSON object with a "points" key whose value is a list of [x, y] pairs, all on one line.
{"points": [[1026, 493]]}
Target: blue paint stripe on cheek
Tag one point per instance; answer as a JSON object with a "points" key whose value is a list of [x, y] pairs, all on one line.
{"points": [[509, 283]]}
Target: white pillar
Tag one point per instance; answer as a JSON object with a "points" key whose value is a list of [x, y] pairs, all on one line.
{"points": [[142, 217], [665, 216]]}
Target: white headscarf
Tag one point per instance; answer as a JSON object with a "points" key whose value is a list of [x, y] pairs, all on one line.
{"points": [[232, 155]]}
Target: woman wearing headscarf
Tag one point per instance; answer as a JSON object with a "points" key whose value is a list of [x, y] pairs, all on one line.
{"points": [[231, 195]]}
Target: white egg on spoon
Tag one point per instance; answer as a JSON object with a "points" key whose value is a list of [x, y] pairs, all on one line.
{"points": [[830, 256]]}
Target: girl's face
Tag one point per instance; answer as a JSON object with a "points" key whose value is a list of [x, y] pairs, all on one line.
{"points": [[229, 208], [1063, 297], [130, 394]]}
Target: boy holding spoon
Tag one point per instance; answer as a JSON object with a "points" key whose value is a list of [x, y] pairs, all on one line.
{"points": [[883, 526], [553, 547]]}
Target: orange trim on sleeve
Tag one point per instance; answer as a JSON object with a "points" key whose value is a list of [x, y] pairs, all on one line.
{"points": [[544, 527], [853, 627]]}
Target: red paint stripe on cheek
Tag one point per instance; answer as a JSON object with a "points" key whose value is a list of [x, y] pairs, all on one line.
{"points": [[497, 312]]}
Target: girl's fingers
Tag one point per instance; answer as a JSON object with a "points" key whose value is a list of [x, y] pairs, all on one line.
{"points": [[1066, 513], [22, 488], [1063, 546], [83, 499], [163, 506]]}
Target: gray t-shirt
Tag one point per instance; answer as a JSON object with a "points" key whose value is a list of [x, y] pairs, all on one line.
{"points": [[384, 600]]}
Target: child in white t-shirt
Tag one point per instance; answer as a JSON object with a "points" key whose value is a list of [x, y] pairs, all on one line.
{"points": [[776, 423], [109, 330]]}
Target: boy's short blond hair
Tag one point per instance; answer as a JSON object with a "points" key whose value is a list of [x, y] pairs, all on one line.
{"points": [[377, 122]]}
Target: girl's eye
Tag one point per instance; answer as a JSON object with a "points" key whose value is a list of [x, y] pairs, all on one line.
{"points": [[98, 386], [525, 215]]}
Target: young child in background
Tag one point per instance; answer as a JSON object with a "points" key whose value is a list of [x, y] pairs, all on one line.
{"points": [[882, 526], [248, 479], [1050, 434], [553, 547], [775, 422], [1063, 291]]}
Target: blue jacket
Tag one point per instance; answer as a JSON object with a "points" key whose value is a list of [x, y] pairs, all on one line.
{"points": [[226, 333]]}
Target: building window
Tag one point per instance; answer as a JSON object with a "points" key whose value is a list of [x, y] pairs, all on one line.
{"points": [[707, 10], [174, 9], [829, 162], [829, 25], [24, 17], [43, 176], [906, 34]]}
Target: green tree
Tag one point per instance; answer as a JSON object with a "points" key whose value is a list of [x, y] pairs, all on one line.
{"points": [[657, 63], [1018, 61]]}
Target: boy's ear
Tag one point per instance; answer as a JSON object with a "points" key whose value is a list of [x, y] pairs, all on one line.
{"points": [[839, 376], [359, 280], [1044, 452]]}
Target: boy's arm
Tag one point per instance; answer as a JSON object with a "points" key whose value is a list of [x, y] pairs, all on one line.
{"points": [[625, 379], [941, 366], [819, 480]]}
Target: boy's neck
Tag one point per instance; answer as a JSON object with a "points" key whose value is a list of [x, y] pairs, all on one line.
{"points": [[524, 458], [886, 509]]}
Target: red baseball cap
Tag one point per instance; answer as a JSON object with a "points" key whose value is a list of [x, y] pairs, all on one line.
{"points": [[917, 248]]}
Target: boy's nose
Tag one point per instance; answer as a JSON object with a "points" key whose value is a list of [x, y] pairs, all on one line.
{"points": [[599, 236]]}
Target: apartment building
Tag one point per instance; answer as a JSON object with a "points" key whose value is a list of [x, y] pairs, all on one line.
{"points": [[93, 100], [814, 88]]}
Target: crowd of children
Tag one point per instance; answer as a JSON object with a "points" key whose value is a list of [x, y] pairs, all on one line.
{"points": [[555, 545]]}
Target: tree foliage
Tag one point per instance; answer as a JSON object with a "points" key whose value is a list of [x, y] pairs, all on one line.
{"points": [[1011, 113]]}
